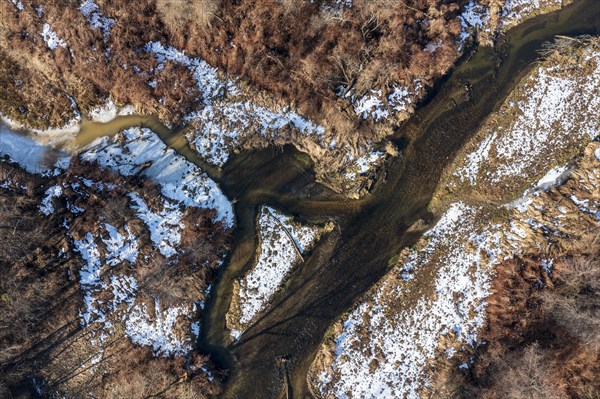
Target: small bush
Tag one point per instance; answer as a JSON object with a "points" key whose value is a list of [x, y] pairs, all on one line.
{"points": [[178, 14]]}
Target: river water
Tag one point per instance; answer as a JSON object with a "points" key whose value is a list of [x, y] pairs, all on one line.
{"points": [[370, 231]]}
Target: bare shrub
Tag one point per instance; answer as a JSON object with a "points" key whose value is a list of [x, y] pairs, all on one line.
{"points": [[527, 374], [177, 14], [203, 245], [40, 298], [542, 332], [291, 6], [268, 44], [141, 375], [575, 304]]}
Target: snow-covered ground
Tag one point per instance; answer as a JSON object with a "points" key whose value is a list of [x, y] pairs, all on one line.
{"points": [[474, 18], [31, 156], [363, 164], [282, 241], [158, 329], [385, 343], [210, 84], [91, 12], [399, 101], [222, 125], [46, 206], [165, 226], [111, 296], [109, 111], [107, 278], [516, 11], [488, 19], [371, 105], [51, 38], [111, 292], [560, 101], [474, 15], [104, 113], [181, 181]]}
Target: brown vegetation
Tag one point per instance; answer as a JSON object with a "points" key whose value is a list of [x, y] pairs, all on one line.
{"points": [[178, 14], [368, 46], [25, 96], [542, 337], [34, 276], [301, 52], [44, 346]]}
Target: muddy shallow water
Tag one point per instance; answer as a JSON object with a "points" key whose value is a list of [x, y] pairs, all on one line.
{"points": [[272, 357]]}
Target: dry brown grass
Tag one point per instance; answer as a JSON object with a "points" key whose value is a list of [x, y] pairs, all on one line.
{"points": [[266, 43], [526, 374], [34, 279], [178, 14], [142, 376], [575, 304]]}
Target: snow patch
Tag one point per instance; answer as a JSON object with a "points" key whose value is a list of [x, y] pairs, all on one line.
{"points": [[127, 110], [547, 119], [18, 4], [46, 206], [31, 156], [363, 164], [515, 11], [158, 329], [120, 248], [222, 125], [224, 120], [372, 106], [165, 226], [104, 113], [553, 177], [282, 241], [143, 152], [471, 169], [91, 12], [165, 329], [475, 17], [51, 38], [208, 80]]}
